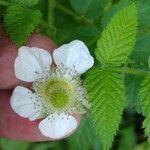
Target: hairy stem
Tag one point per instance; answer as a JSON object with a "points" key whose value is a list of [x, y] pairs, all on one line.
{"points": [[50, 19], [131, 71], [72, 14], [51, 6]]}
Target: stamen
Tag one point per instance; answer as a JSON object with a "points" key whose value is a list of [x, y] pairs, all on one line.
{"points": [[59, 90]]}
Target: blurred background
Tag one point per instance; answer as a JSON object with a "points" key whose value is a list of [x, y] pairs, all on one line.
{"points": [[129, 137]]}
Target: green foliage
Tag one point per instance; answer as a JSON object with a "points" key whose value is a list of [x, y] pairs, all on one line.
{"points": [[107, 97], [25, 2], [144, 13], [128, 139], [146, 126], [46, 146], [116, 7], [20, 22], [84, 136], [145, 95], [13, 145], [132, 93], [89, 8], [117, 40], [145, 103], [142, 49], [143, 146], [80, 6], [106, 91], [85, 20]]}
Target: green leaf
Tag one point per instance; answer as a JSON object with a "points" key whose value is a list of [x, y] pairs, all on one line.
{"points": [[89, 8], [106, 92], [144, 13], [96, 8], [20, 22], [84, 137], [142, 49], [116, 7], [117, 40], [127, 143], [146, 126], [145, 95], [80, 6], [145, 104], [25, 2], [132, 93]]}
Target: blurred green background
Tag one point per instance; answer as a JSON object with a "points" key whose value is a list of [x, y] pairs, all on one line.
{"points": [[129, 137]]}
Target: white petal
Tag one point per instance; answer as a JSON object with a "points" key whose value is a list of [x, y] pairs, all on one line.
{"points": [[31, 62], [24, 103], [75, 54], [57, 126]]}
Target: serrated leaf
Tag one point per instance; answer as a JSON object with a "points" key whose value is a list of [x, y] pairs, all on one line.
{"points": [[25, 2], [143, 12], [145, 103], [116, 7], [20, 22], [146, 126], [117, 40], [84, 137], [106, 92], [145, 95]]}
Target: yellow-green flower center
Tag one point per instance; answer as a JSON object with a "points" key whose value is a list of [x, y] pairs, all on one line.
{"points": [[57, 94], [59, 99]]}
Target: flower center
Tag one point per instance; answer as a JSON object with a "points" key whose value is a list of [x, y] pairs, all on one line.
{"points": [[59, 99], [57, 93]]}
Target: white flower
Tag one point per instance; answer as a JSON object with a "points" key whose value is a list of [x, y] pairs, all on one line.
{"points": [[57, 91]]}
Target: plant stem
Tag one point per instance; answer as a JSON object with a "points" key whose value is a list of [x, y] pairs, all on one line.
{"points": [[4, 3], [50, 12], [131, 71], [50, 19], [72, 14]]}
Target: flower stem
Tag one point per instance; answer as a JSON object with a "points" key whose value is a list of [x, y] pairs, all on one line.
{"points": [[72, 14], [50, 19], [131, 71], [51, 12]]}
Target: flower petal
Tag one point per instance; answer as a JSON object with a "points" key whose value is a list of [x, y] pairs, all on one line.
{"points": [[57, 126], [31, 62], [25, 103], [75, 54]]}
